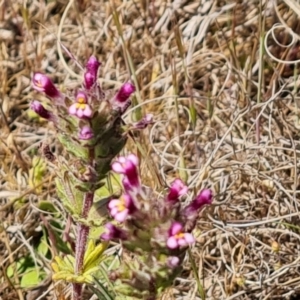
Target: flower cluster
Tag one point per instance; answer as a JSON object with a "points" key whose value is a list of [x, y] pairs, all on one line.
{"points": [[88, 101], [159, 227], [88, 122]]}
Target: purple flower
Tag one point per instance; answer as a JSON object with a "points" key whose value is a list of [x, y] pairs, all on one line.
{"points": [[86, 133], [173, 262], [178, 238], [121, 99], [90, 76], [39, 109], [144, 122], [113, 232], [121, 208], [205, 197], [81, 109], [128, 167], [43, 83], [177, 189]]}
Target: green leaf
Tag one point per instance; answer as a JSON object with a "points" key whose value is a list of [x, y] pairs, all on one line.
{"points": [[31, 278], [193, 113], [43, 246], [101, 292], [60, 244], [47, 206], [73, 147]]}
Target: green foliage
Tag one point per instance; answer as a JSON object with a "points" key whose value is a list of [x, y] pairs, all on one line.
{"points": [[64, 267], [37, 172], [32, 277], [29, 273], [73, 147]]}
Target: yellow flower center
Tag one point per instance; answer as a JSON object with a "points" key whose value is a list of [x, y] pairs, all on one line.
{"points": [[80, 106], [121, 204], [81, 100], [179, 235]]}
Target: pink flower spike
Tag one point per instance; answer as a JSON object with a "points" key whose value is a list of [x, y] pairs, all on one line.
{"points": [[39, 109], [121, 208], [113, 232], [81, 109], [178, 238], [43, 84], [91, 74], [128, 167], [86, 133], [177, 189]]}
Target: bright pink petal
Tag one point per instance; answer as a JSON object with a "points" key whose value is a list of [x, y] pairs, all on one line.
{"points": [[73, 109], [189, 238], [117, 167], [175, 228], [172, 243], [87, 112], [114, 211], [133, 158], [80, 113], [121, 216], [182, 242], [122, 159], [113, 203]]}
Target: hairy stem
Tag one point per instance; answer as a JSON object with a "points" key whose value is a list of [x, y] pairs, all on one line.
{"points": [[81, 241]]}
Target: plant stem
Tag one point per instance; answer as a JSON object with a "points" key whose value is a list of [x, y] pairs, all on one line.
{"points": [[81, 241]]}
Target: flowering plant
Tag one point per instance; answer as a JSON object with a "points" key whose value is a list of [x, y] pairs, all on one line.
{"points": [[158, 230], [91, 130]]}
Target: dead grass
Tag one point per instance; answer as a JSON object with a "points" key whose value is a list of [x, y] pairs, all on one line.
{"points": [[243, 143]]}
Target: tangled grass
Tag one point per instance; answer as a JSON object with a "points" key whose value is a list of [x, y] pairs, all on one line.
{"points": [[220, 77]]}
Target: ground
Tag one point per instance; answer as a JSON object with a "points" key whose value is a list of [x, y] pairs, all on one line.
{"points": [[221, 79]]}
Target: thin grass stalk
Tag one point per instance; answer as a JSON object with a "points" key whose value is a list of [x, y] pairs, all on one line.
{"points": [[199, 285], [261, 66]]}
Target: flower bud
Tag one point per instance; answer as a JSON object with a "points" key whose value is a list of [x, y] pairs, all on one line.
{"points": [[205, 197], [39, 109], [90, 76], [113, 232], [86, 133], [177, 189], [173, 262], [43, 83], [121, 99]]}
